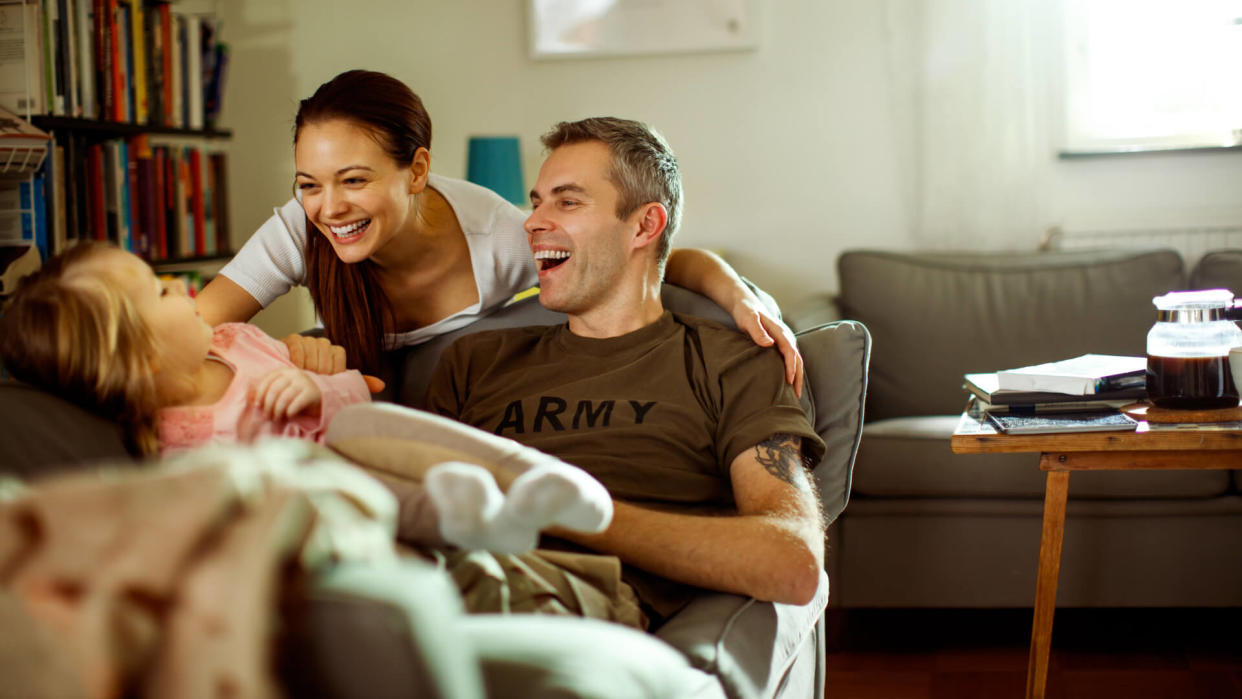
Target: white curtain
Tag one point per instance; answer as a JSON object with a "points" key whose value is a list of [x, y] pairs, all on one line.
{"points": [[975, 81]]}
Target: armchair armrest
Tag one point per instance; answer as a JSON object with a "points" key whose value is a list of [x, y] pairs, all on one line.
{"points": [[748, 644], [379, 631]]}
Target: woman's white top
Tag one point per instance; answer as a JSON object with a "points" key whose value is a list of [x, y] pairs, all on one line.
{"points": [[273, 260]]}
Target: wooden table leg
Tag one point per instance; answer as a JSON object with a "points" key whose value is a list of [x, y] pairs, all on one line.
{"points": [[1056, 490]]}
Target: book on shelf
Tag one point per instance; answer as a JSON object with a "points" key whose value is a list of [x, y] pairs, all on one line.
{"points": [[1095, 421], [21, 63], [1084, 375], [986, 387]]}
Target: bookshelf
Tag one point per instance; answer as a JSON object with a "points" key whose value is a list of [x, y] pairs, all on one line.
{"points": [[130, 92]]}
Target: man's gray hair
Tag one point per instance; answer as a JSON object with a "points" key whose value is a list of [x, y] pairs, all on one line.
{"points": [[643, 169]]}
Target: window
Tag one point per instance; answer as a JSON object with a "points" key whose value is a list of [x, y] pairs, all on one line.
{"points": [[1153, 74]]}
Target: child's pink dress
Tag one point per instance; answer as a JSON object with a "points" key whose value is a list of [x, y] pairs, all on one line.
{"points": [[252, 355]]}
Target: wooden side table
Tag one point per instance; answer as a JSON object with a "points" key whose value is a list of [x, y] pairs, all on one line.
{"points": [[1087, 451]]}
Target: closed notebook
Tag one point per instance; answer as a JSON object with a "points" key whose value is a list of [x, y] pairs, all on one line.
{"points": [[1084, 375], [987, 388], [1104, 421]]}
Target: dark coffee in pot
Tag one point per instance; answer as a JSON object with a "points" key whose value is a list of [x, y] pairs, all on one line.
{"points": [[1191, 383]]}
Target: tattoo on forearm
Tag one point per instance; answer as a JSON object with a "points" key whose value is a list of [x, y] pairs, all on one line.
{"points": [[781, 456]]}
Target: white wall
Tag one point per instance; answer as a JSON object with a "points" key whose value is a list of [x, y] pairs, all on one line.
{"points": [[790, 153]]}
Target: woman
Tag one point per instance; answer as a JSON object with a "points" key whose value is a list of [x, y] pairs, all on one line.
{"points": [[405, 255]]}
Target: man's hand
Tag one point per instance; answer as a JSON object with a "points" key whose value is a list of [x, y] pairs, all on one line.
{"points": [[286, 392], [319, 355], [754, 318]]}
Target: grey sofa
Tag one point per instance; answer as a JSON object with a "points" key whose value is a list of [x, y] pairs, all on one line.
{"points": [[399, 631], [929, 528]]}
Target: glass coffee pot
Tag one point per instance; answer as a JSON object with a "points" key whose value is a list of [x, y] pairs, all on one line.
{"points": [[1188, 350]]}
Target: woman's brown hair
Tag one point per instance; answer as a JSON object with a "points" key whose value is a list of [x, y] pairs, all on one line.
{"points": [[72, 332], [355, 311]]}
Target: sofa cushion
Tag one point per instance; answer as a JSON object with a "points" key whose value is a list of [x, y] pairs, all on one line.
{"points": [[910, 457], [42, 433], [936, 316], [1221, 269]]}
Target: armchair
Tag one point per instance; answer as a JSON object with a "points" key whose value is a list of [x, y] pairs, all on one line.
{"points": [[398, 631]]}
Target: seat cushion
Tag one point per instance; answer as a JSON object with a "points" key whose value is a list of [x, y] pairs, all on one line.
{"points": [[910, 457], [544, 656], [42, 433], [936, 316]]}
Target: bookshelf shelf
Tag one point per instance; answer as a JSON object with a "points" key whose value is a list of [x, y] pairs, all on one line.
{"points": [[179, 264], [116, 128]]}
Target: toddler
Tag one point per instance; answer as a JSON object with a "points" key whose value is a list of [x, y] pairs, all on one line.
{"points": [[96, 326]]}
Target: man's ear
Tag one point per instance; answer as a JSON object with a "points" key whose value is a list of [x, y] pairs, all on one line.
{"points": [[420, 168], [652, 218]]}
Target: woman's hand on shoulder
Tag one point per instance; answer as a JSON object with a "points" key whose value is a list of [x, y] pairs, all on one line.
{"points": [[709, 275], [754, 318]]}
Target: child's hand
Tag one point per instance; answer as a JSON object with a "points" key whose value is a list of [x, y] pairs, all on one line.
{"points": [[284, 393]]}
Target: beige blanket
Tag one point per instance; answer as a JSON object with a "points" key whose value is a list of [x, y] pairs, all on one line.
{"points": [[164, 582]]}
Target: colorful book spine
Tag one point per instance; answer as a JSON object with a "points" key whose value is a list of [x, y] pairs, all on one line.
{"points": [[38, 210], [97, 202], [166, 59], [138, 62], [83, 24], [125, 225], [197, 210], [115, 67], [158, 205], [125, 54]]}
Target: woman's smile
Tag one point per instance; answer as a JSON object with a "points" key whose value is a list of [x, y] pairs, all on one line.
{"points": [[349, 232]]}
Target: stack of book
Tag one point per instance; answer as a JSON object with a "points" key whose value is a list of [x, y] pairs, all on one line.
{"points": [[1073, 395]]}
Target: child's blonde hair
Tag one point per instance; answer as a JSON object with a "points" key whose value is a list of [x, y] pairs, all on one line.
{"points": [[70, 330]]}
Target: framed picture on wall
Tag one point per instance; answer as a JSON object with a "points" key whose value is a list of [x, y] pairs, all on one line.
{"points": [[584, 28]]}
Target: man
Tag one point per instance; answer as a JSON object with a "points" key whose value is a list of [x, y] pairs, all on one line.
{"points": [[689, 425]]}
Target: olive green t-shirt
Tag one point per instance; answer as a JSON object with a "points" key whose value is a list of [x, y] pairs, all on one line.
{"points": [[657, 415]]}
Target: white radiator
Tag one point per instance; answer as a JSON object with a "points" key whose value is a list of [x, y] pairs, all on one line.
{"points": [[1191, 241]]}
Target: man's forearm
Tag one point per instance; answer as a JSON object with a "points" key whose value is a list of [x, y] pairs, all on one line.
{"points": [[770, 557]]}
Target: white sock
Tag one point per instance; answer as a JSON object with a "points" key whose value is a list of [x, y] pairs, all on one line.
{"points": [[467, 501], [555, 493], [474, 514]]}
